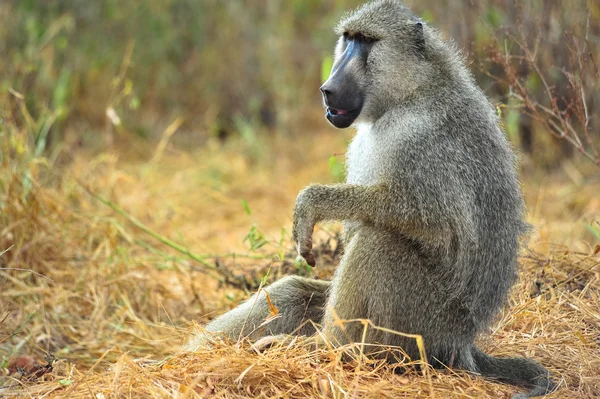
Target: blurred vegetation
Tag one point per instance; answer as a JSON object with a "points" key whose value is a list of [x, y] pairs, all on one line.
{"points": [[101, 88], [74, 72]]}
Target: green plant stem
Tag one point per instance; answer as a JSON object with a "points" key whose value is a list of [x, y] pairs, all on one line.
{"points": [[146, 229]]}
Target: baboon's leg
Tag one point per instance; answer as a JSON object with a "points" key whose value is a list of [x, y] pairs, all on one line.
{"points": [[299, 301], [383, 278]]}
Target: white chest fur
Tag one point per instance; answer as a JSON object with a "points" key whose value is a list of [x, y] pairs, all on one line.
{"points": [[364, 161]]}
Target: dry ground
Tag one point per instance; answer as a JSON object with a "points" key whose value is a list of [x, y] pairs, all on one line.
{"points": [[108, 304]]}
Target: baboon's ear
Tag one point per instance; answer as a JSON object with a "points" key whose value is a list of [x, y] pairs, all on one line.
{"points": [[418, 38]]}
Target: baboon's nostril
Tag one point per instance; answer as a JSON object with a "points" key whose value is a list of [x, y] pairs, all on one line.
{"points": [[326, 93]]}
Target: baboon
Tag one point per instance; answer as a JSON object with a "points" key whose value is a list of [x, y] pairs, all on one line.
{"points": [[432, 209]]}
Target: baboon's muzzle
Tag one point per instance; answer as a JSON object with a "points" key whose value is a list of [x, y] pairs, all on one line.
{"points": [[342, 95]]}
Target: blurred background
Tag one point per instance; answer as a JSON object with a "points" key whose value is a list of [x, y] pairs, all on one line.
{"points": [[151, 152], [89, 71]]}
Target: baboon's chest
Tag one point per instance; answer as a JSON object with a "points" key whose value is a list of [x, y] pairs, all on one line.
{"points": [[368, 160]]}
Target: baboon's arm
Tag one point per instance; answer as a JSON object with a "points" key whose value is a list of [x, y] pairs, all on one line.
{"points": [[377, 204]]}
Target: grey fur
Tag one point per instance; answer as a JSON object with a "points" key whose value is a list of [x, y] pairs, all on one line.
{"points": [[432, 210], [301, 303]]}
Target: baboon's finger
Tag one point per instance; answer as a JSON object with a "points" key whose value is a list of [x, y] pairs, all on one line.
{"points": [[310, 259], [304, 249], [295, 230]]}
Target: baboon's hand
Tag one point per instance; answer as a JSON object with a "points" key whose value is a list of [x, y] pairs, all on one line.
{"points": [[304, 225]]}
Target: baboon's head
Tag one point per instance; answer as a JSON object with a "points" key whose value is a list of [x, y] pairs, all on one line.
{"points": [[380, 58]]}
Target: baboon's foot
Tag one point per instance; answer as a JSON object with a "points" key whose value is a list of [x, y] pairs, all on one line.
{"points": [[273, 340]]}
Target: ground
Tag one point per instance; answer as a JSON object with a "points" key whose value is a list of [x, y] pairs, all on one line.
{"points": [[93, 304]]}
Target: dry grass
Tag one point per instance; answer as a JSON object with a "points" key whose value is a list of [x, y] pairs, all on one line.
{"points": [[111, 304]]}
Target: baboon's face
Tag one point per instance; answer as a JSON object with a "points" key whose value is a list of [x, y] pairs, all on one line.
{"points": [[344, 91], [380, 59]]}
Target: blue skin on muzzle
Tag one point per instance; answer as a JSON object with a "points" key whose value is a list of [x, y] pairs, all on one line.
{"points": [[342, 95]]}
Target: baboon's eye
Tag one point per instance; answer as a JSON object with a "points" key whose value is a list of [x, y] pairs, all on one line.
{"points": [[362, 38], [346, 36]]}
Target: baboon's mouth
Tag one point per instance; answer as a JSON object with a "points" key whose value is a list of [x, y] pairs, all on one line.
{"points": [[341, 118], [335, 111]]}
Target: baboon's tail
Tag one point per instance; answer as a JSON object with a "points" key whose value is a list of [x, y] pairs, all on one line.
{"points": [[517, 371]]}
